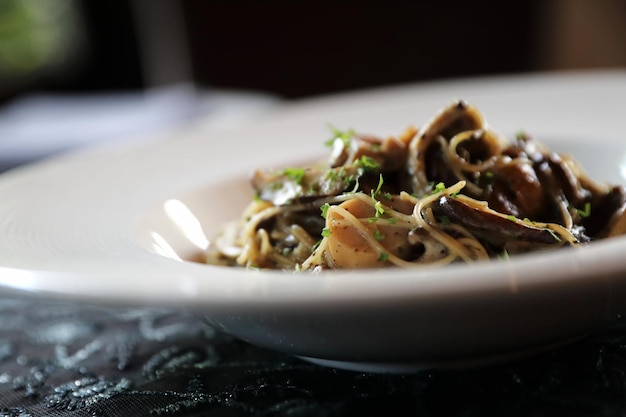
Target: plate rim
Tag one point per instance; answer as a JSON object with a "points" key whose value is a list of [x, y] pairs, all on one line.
{"points": [[54, 283]]}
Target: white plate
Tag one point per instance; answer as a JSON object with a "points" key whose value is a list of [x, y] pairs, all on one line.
{"points": [[107, 227]]}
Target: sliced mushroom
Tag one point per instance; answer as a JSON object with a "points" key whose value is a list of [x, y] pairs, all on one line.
{"points": [[488, 225], [425, 149], [389, 153], [617, 225], [283, 187], [517, 191], [607, 214]]}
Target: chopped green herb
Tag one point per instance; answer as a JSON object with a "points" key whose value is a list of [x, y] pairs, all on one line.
{"points": [[325, 232], [331, 175], [344, 135], [445, 220], [378, 235], [313, 189], [586, 212], [380, 184], [324, 208], [379, 209], [367, 163], [511, 217], [383, 256], [296, 174], [554, 235], [356, 183], [487, 178], [392, 220], [440, 187], [278, 185]]}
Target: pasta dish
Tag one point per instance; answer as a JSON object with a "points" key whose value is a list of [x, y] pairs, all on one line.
{"points": [[452, 190]]}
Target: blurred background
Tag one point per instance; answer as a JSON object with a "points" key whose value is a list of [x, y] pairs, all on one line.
{"points": [[76, 72]]}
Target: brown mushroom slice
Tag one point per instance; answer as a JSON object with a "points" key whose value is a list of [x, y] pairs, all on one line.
{"points": [[389, 153], [345, 169], [425, 148], [451, 120], [517, 191], [290, 185], [617, 225], [488, 225], [567, 180], [607, 214]]}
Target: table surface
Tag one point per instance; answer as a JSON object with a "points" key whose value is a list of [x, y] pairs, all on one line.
{"points": [[80, 360]]}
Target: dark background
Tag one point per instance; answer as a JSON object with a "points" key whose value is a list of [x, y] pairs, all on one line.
{"points": [[323, 47], [299, 49]]}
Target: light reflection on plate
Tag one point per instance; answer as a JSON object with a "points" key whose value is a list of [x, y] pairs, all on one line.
{"points": [[125, 225]]}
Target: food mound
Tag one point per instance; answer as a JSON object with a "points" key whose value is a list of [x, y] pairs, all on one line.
{"points": [[452, 191]]}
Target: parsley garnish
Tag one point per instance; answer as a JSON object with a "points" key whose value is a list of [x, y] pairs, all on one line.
{"points": [[378, 235], [316, 245], [383, 256], [377, 204], [326, 232], [344, 135], [324, 208], [445, 220], [356, 183], [296, 174], [586, 212], [554, 235], [367, 163], [276, 185], [331, 175], [379, 209], [380, 184], [440, 187]]}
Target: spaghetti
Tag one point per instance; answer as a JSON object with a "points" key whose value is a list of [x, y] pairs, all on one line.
{"points": [[451, 191]]}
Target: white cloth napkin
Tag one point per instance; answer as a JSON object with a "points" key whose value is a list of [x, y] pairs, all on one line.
{"points": [[40, 125]]}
